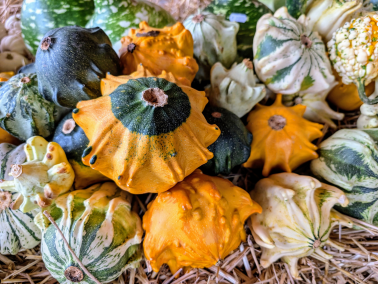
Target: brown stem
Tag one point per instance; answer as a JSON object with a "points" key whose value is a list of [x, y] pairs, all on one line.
{"points": [[68, 126], [155, 97], [46, 43], [306, 41], [277, 122], [5, 200]]}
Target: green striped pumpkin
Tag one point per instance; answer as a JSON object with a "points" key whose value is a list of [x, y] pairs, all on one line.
{"points": [[10, 155], [101, 229]]}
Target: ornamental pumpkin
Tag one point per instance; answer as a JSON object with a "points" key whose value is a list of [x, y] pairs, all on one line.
{"points": [[102, 230], [348, 159], [281, 137], [169, 49], [147, 135], [12, 61], [10, 155], [289, 57], [5, 137], [5, 76], [369, 116], [203, 219], [214, 41], [301, 220], [235, 89], [44, 176]]}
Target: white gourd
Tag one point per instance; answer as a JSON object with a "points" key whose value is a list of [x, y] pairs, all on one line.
{"points": [[3, 31], [14, 43], [12, 61], [13, 24]]}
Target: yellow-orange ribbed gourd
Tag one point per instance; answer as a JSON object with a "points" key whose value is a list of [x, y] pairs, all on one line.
{"points": [[5, 137]]}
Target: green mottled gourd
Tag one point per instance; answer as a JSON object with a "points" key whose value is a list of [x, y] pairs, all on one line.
{"points": [[214, 41], [23, 111], [70, 63], [348, 159], [101, 229]]}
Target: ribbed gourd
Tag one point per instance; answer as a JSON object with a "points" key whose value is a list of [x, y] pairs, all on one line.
{"points": [[70, 63], [203, 219], [23, 111], [348, 159], [147, 135], [369, 115], [236, 89], [169, 49], [101, 229], [214, 41], [281, 137], [73, 141], [233, 146], [301, 220]]}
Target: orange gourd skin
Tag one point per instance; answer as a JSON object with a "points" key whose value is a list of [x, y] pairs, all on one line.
{"points": [[202, 219], [288, 145], [171, 51], [5, 76], [5, 137]]}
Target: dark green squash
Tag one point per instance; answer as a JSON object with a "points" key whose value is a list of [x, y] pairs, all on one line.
{"points": [[29, 68], [70, 63], [233, 146]]}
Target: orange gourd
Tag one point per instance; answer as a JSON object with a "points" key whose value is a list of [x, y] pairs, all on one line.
{"points": [[5, 137], [281, 137], [168, 49], [5, 76], [196, 223]]}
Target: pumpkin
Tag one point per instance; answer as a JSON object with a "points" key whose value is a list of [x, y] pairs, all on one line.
{"points": [[281, 137], [203, 219], [348, 159], [169, 49], [73, 141], [236, 89], [79, 69], [44, 176], [214, 41], [301, 221], [5, 137], [233, 146], [12, 61], [289, 57], [101, 228], [5, 76], [140, 135], [23, 111]]}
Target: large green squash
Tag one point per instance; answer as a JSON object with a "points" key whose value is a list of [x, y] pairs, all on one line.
{"points": [[233, 146], [40, 16], [102, 230], [70, 63]]}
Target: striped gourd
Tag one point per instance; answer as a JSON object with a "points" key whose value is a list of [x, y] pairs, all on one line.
{"points": [[10, 155], [100, 228]]}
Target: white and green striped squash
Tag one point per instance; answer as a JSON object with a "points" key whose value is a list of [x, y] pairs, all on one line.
{"points": [[101, 229], [289, 57], [349, 160], [10, 155]]}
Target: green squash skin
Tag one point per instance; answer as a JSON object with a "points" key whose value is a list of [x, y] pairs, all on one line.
{"points": [[296, 7], [232, 148], [29, 68], [40, 16], [71, 68], [252, 9], [116, 17]]}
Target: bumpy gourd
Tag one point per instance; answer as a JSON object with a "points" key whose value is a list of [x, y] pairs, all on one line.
{"points": [[147, 135], [214, 41], [236, 89], [301, 220], [70, 63], [369, 115], [44, 176], [10, 155], [102, 230], [289, 57], [281, 137], [348, 159], [169, 49], [203, 221], [23, 111]]}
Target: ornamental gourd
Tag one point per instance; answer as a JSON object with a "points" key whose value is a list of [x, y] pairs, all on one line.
{"points": [[214, 41], [5, 76], [235, 89], [348, 159], [5, 137], [281, 137], [301, 221], [203, 219], [289, 57], [147, 135], [44, 176], [169, 49], [12, 61], [10, 155], [233, 146], [102, 230], [369, 115], [70, 63]]}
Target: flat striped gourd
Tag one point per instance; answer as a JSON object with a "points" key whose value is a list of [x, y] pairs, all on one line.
{"points": [[147, 135], [101, 229]]}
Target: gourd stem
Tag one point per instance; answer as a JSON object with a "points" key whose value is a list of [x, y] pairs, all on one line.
{"points": [[362, 94]]}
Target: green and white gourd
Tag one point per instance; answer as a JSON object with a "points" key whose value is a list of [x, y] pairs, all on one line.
{"points": [[102, 231], [289, 57], [369, 115], [349, 160], [236, 89], [214, 41]]}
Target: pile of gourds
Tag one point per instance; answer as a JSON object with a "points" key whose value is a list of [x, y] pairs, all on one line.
{"points": [[114, 110]]}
